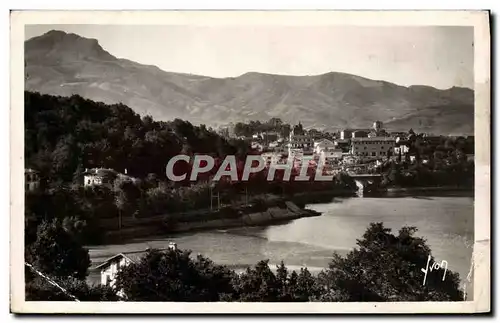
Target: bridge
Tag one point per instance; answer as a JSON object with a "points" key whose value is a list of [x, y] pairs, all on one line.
{"points": [[365, 180]]}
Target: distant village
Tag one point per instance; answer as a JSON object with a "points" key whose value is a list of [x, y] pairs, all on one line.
{"points": [[349, 150]]}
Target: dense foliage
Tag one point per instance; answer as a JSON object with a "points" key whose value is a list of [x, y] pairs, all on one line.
{"points": [[440, 162], [65, 135], [38, 289], [57, 267], [384, 267], [173, 276], [253, 127], [387, 267], [55, 251]]}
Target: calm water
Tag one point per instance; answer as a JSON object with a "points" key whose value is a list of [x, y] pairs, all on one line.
{"points": [[447, 222]]}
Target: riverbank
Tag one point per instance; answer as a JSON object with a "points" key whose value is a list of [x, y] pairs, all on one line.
{"points": [[302, 199], [428, 189], [273, 215], [228, 217]]}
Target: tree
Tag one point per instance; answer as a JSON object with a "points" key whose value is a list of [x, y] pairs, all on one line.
{"points": [[285, 287], [258, 284], [172, 275], [216, 280], [127, 195], [387, 267], [55, 252], [306, 287]]}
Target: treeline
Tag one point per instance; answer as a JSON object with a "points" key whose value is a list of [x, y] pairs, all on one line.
{"points": [[441, 162], [65, 135], [274, 125], [383, 267], [253, 127]]}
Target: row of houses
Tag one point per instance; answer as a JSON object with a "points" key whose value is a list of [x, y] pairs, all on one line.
{"points": [[368, 143]]}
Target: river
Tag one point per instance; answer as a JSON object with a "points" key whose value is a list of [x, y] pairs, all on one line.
{"points": [[446, 221]]}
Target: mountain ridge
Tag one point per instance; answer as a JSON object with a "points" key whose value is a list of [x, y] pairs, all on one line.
{"points": [[63, 64]]}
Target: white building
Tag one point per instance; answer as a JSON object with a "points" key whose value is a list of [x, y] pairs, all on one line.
{"points": [[327, 151], [110, 267], [31, 179], [375, 147], [378, 125], [354, 133], [301, 142], [99, 176], [102, 177], [322, 145], [330, 155]]}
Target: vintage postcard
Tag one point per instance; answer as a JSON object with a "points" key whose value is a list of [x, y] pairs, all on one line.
{"points": [[250, 162]]}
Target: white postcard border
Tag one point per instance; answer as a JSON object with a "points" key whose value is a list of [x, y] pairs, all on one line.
{"points": [[478, 19]]}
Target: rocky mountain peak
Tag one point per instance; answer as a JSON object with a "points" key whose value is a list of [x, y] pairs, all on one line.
{"points": [[67, 46]]}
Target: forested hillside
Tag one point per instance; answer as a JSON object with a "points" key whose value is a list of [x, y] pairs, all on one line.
{"points": [[65, 135]]}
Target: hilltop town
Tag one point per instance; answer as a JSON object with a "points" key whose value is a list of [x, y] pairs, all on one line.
{"points": [[351, 150]]}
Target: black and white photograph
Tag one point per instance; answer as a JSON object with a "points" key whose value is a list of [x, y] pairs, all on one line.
{"points": [[231, 158]]}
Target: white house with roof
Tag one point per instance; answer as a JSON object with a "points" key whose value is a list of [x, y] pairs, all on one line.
{"points": [[99, 176], [327, 151], [330, 155], [102, 177], [322, 145], [110, 268]]}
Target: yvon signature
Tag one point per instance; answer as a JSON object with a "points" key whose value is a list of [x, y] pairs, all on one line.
{"points": [[435, 266]]}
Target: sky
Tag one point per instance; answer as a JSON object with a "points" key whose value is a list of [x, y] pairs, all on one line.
{"points": [[438, 56]]}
